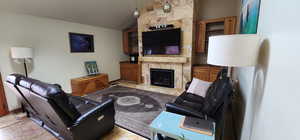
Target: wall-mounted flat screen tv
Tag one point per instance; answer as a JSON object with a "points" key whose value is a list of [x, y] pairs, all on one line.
{"points": [[162, 42], [81, 42]]}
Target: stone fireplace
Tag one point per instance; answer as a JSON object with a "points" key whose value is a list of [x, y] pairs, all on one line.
{"points": [[162, 77], [181, 16]]}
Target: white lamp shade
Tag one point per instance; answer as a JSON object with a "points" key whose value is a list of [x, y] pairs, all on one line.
{"points": [[21, 53], [233, 50]]}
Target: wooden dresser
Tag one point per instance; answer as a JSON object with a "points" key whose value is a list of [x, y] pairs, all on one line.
{"points": [[89, 84], [206, 72], [130, 71]]}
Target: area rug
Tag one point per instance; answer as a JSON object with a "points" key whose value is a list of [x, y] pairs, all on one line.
{"points": [[135, 109]]}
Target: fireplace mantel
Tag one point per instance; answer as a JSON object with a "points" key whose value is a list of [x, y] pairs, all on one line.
{"points": [[181, 60]]}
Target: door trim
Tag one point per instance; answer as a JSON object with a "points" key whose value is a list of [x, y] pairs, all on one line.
{"points": [[3, 102]]}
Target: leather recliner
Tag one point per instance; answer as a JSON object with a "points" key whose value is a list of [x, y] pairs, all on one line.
{"points": [[212, 107], [67, 117]]}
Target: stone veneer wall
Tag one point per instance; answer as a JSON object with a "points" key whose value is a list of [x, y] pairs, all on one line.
{"points": [[182, 16]]}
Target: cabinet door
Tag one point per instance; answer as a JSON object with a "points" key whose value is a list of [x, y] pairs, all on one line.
{"points": [[126, 48], [130, 72], [214, 71], [202, 73], [230, 25], [200, 47]]}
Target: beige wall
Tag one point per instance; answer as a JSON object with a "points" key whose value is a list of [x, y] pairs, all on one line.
{"points": [[217, 8], [53, 61], [271, 89]]}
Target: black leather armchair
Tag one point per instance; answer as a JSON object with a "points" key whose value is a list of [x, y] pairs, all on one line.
{"points": [[212, 107], [66, 117]]}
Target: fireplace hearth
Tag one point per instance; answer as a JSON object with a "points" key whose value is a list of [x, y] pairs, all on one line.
{"points": [[162, 77]]}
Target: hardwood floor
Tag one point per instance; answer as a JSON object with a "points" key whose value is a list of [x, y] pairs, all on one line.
{"points": [[18, 127]]}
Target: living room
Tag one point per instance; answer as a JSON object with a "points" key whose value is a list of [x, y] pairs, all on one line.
{"points": [[137, 85]]}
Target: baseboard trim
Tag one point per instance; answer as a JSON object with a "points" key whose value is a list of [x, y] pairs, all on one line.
{"points": [[17, 110], [114, 81]]}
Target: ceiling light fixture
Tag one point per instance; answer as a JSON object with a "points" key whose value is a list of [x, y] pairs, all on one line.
{"points": [[136, 12]]}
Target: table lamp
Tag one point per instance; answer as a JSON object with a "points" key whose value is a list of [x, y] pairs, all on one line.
{"points": [[233, 50], [23, 54]]}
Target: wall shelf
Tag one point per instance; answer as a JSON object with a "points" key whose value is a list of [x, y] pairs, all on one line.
{"points": [[181, 60]]}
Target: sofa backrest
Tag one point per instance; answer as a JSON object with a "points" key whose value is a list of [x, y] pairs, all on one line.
{"points": [[44, 97], [12, 81], [53, 94]]}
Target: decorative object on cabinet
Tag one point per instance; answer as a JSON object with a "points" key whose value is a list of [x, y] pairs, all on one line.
{"points": [[89, 84], [233, 50], [130, 71], [24, 54], [91, 67], [134, 58], [206, 72], [130, 41], [3, 103], [249, 16], [81, 43], [213, 27]]}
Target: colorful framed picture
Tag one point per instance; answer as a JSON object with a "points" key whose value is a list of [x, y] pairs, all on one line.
{"points": [[91, 67], [249, 16]]}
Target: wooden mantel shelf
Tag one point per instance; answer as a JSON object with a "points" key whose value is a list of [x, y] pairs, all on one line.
{"points": [[164, 59]]}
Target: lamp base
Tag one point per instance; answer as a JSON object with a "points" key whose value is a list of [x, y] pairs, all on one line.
{"points": [[25, 67]]}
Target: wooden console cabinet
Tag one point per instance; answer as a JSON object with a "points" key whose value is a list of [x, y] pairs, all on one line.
{"points": [[206, 72], [130, 71], [89, 84]]}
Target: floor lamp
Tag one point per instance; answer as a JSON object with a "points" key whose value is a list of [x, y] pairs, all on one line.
{"points": [[24, 54], [233, 50]]}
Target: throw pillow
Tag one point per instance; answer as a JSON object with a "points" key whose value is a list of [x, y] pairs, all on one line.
{"points": [[199, 87]]}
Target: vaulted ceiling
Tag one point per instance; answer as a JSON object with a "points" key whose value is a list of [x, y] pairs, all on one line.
{"points": [[116, 14]]}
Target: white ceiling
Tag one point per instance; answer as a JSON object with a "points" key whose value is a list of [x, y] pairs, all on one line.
{"points": [[116, 14]]}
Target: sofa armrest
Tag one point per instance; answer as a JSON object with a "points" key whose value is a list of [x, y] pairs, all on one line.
{"points": [[187, 85], [94, 123], [182, 110], [97, 112]]}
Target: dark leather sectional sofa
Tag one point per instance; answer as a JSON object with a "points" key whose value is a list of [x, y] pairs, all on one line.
{"points": [[66, 117]]}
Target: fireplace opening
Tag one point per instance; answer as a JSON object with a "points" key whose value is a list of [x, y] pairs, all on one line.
{"points": [[162, 77]]}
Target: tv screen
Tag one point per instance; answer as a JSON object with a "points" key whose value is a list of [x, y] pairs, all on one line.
{"points": [[81, 42], [162, 42]]}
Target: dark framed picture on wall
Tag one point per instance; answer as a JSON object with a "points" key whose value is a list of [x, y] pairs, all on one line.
{"points": [[249, 16], [81, 43]]}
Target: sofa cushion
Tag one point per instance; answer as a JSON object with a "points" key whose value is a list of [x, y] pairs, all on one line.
{"points": [[27, 82], [199, 87], [190, 100], [57, 95]]}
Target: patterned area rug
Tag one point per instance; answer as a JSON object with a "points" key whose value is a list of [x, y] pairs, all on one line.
{"points": [[135, 109]]}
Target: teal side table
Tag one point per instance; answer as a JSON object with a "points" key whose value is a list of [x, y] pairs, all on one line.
{"points": [[168, 124]]}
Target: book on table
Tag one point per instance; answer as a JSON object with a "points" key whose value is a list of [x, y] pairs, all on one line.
{"points": [[198, 125]]}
